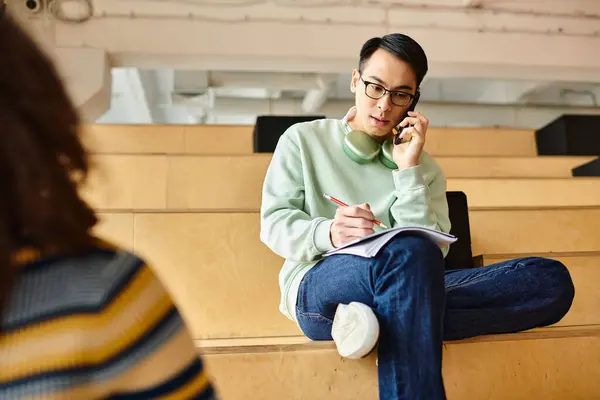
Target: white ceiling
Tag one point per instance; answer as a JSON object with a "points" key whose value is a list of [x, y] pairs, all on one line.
{"points": [[190, 61]]}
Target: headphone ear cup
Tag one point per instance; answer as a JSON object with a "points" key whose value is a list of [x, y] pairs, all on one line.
{"points": [[360, 147], [386, 154]]}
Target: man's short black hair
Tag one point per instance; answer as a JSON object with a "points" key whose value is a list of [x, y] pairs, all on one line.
{"points": [[401, 46]]}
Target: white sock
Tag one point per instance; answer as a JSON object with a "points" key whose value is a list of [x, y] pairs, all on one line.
{"points": [[355, 330]]}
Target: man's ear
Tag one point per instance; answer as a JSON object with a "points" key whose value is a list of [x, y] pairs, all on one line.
{"points": [[354, 80]]}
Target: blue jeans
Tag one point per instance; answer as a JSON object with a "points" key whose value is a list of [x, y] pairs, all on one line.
{"points": [[419, 304]]}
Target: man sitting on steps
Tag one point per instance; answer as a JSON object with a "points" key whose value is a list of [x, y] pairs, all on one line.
{"points": [[402, 299]]}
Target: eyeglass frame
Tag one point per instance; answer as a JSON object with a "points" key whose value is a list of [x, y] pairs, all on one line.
{"points": [[386, 91]]}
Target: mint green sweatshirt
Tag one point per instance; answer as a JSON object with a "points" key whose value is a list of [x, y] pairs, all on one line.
{"points": [[295, 217]]}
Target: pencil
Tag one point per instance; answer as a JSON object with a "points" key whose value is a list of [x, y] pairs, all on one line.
{"points": [[342, 204]]}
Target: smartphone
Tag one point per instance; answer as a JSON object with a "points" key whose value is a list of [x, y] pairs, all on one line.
{"points": [[412, 108]]}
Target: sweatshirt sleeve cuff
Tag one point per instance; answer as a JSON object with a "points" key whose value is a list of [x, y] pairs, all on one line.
{"points": [[322, 239], [409, 178]]}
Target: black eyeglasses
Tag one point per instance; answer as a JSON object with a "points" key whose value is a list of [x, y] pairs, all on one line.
{"points": [[376, 91]]}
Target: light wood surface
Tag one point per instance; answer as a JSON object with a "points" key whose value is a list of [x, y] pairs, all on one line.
{"points": [[510, 167], [302, 343], [203, 183], [168, 139], [216, 267], [186, 198], [238, 139], [549, 369]]}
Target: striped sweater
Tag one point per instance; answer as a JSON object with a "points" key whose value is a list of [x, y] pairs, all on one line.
{"points": [[99, 326]]}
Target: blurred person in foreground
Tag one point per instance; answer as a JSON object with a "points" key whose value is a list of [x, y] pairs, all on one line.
{"points": [[80, 318]]}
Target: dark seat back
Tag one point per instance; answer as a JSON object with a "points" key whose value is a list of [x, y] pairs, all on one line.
{"points": [[572, 135], [591, 168], [269, 128], [460, 255]]}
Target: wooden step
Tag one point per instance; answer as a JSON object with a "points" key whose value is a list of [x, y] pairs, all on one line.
{"points": [[528, 193], [235, 184], [168, 139], [238, 139], [510, 167], [530, 365], [269, 344], [215, 265]]}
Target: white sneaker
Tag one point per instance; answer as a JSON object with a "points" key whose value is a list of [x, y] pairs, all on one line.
{"points": [[355, 330]]}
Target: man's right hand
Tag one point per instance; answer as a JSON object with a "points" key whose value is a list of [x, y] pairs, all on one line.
{"points": [[351, 223]]}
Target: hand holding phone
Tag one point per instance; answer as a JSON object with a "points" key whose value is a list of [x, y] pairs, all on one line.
{"points": [[411, 140]]}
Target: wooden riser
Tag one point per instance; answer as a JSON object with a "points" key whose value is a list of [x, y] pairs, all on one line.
{"points": [[549, 369], [235, 183], [215, 265], [238, 139], [510, 167], [169, 139]]}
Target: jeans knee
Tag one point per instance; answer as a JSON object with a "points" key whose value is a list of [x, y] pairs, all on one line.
{"points": [[562, 282], [417, 246], [408, 252], [555, 280]]}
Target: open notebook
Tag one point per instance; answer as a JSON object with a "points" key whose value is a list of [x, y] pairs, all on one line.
{"points": [[368, 246]]}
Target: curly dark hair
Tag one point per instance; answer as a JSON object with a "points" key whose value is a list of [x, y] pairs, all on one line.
{"points": [[42, 161]]}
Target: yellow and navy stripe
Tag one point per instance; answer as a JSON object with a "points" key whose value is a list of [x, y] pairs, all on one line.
{"points": [[96, 326]]}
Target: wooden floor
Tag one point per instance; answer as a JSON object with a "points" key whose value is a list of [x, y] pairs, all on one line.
{"points": [[161, 192]]}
